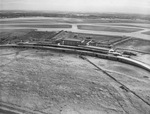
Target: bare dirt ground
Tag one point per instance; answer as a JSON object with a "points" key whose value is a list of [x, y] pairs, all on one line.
{"points": [[44, 26], [11, 32], [142, 57], [148, 33], [132, 25], [106, 28], [136, 44], [24, 35], [58, 83]]}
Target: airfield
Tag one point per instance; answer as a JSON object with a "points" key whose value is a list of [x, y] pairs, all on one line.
{"points": [[133, 28], [36, 81]]}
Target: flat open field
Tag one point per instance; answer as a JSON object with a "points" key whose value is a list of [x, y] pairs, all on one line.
{"points": [[18, 35], [131, 25], [103, 20], [7, 35], [106, 28], [55, 83], [142, 57], [72, 20], [148, 33], [44, 26], [16, 32], [135, 44]]}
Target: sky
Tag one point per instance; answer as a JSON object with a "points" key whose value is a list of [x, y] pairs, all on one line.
{"points": [[102, 6]]}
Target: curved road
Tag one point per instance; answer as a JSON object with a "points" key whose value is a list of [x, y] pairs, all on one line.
{"points": [[67, 49]]}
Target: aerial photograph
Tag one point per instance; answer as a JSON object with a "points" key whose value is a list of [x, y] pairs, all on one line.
{"points": [[74, 56]]}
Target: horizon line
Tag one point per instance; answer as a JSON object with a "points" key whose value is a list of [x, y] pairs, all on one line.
{"points": [[83, 12]]}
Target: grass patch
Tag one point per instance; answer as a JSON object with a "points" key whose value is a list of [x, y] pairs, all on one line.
{"points": [[136, 44], [131, 25], [13, 36], [45, 26], [110, 29], [147, 33]]}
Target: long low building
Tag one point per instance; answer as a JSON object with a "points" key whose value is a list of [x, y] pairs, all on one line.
{"points": [[71, 42]]}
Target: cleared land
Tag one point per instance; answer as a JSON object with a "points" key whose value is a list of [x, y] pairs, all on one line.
{"points": [[57, 83], [11, 32], [132, 25], [104, 20], [148, 33], [135, 44], [137, 25], [106, 28], [143, 57], [44, 26], [13, 36]]}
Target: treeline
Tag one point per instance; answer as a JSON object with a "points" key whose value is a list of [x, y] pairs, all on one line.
{"points": [[5, 14], [15, 15]]}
